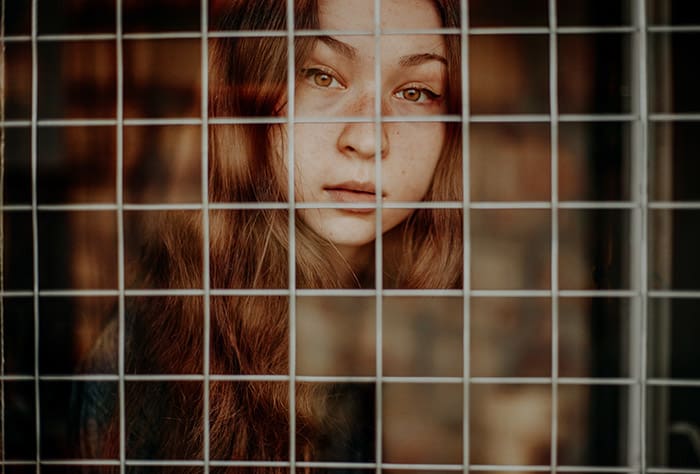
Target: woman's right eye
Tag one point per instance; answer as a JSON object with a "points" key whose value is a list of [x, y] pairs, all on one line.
{"points": [[321, 78]]}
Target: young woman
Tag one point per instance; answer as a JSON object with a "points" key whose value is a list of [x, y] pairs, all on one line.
{"points": [[334, 162]]}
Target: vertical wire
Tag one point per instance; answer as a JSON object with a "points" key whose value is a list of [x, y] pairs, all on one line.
{"points": [[120, 239], [35, 231], [643, 209], [2, 238], [291, 76], [554, 184], [466, 237], [378, 247], [204, 131], [633, 423]]}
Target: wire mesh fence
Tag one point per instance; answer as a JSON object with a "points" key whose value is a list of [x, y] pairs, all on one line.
{"points": [[160, 316]]}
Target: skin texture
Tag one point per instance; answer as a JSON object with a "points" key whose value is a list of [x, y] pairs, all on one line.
{"points": [[335, 162]]}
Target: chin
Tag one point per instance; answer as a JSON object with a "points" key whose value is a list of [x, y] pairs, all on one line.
{"points": [[351, 241]]}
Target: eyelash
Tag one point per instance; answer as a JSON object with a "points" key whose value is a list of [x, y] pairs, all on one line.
{"points": [[310, 74], [427, 95]]}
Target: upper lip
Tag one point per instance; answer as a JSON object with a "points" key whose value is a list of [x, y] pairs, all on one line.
{"points": [[353, 186]]}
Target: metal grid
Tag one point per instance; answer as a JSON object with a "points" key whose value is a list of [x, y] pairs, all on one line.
{"points": [[639, 207]]}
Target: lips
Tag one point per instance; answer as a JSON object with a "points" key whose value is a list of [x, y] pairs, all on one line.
{"points": [[353, 192]]}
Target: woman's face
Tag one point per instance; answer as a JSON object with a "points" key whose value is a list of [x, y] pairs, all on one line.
{"points": [[335, 162]]}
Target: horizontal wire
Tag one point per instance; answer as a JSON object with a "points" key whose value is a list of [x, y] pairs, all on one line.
{"points": [[247, 120], [605, 469], [336, 292], [674, 293], [163, 35], [671, 470], [675, 117], [71, 293], [690, 205], [16, 293], [474, 118], [15, 123], [162, 121], [508, 30], [673, 29], [511, 293], [71, 37], [17, 378], [599, 293], [597, 117], [77, 293], [335, 379], [509, 205], [349, 465], [657, 382], [509, 118], [497, 30], [476, 205], [163, 462], [385, 205], [596, 29], [249, 292], [475, 31]]}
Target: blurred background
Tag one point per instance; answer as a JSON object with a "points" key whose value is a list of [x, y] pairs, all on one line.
{"points": [[601, 353]]}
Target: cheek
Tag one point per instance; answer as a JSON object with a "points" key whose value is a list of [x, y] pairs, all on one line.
{"points": [[311, 154], [418, 149]]}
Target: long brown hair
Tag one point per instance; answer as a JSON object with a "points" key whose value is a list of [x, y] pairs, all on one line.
{"points": [[249, 249]]}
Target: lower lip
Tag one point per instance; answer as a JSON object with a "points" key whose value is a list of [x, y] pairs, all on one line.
{"points": [[352, 197]]}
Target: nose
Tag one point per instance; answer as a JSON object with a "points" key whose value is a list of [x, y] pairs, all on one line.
{"points": [[359, 139]]}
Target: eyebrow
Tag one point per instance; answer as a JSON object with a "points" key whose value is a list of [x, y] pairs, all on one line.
{"points": [[340, 47], [418, 59], [351, 52]]}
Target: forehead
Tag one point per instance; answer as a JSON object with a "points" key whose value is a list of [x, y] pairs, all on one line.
{"points": [[395, 14]]}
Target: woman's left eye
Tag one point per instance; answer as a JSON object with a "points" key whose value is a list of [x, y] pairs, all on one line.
{"points": [[417, 95]]}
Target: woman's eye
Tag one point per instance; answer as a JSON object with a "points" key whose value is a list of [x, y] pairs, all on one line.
{"points": [[322, 78], [417, 95]]}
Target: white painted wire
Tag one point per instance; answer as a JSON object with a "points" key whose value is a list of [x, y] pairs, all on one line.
{"points": [[121, 381], [2, 237], [653, 294], [378, 247], [291, 165], [541, 30], [590, 205], [644, 247], [466, 237], [414, 467], [640, 380], [606, 381], [35, 229], [204, 136], [474, 118], [554, 255]]}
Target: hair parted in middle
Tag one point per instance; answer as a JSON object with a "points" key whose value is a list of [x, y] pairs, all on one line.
{"points": [[249, 249]]}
